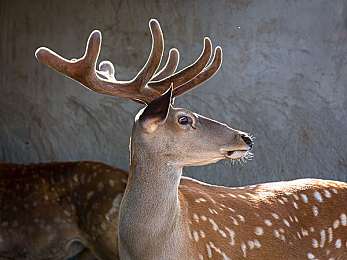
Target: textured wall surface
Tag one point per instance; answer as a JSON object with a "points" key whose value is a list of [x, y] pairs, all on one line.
{"points": [[283, 79]]}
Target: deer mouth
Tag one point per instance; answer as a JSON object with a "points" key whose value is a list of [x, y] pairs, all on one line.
{"points": [[234, 154]]}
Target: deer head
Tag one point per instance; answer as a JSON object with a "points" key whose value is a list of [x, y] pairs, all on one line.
{"points": [[185, 138]]}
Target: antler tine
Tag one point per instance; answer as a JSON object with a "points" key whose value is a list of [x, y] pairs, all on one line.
{"points": [[207, 73], [154, 59], [186, 74], [170, 66]]}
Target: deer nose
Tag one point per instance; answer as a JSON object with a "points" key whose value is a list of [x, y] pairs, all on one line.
{"points": [[248, 140]]}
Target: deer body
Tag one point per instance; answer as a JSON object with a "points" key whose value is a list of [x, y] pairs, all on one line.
{"points": [[57, 210], [164, 216], [301, 219]]}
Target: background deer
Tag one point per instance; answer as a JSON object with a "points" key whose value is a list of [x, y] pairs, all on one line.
{"points": [[165, 216], [58, 210]]}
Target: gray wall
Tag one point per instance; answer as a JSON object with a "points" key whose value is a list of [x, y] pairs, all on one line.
{"points": [[283, 79]]}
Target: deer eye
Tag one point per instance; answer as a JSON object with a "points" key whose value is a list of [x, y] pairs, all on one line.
{"points": [[183, 120]]}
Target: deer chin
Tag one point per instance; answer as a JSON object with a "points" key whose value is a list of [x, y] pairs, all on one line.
{"points": [[234, 154]]}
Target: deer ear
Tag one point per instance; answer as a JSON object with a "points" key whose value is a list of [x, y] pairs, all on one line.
{"points": [[156, 112]]}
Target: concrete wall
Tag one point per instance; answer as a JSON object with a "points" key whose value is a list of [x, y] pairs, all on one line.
{"points": [[283, 79]]}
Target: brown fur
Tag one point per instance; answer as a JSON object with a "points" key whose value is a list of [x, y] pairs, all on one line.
{"points": [[164, 216], [45, 207]]}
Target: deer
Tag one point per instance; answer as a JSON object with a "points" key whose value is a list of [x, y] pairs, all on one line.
{"points": [[59, 210], [164, 215], [74, 223]]}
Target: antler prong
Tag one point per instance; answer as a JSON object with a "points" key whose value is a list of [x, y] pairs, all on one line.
{"points": [[91, 55], [203, 76], [153, 62], [170, 66]]}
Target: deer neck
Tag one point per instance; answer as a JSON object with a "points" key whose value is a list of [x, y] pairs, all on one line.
{"points": [[149, 214]]}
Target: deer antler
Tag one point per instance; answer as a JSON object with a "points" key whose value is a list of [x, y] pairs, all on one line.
{"points": [[147, 85]]}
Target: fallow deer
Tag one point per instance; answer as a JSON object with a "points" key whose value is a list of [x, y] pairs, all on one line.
{"points": [[166, 216], [58, 210]]}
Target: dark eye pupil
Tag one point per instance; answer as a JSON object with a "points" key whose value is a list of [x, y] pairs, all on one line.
{"points": [[183, 120]]}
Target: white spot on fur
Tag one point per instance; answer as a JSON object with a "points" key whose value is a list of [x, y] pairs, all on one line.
{"points": [[234, 221], [200, 200], [257, 244], [100, 185], [315, 211], [243, 247], [336, 224], [327, 194], [295, 205], [203, 218], [304, 232], [304, 198], [232, 236], [258, 231], [196, 218], [276, 233], [222, 233], [214, 225], [275, 215], [310, 256], [201, 257], [241, 218], [209, 252], [202, 233], [286, 222], [318, 196], [343, 218], [196, 236], [280, 201], [250, 244], [338, 243], [188, 232], [267, 222], [322, 238], [314, 243], [330, 235]]}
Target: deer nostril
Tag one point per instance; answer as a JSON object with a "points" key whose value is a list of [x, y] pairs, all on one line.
{"points": [[248, 141]]}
